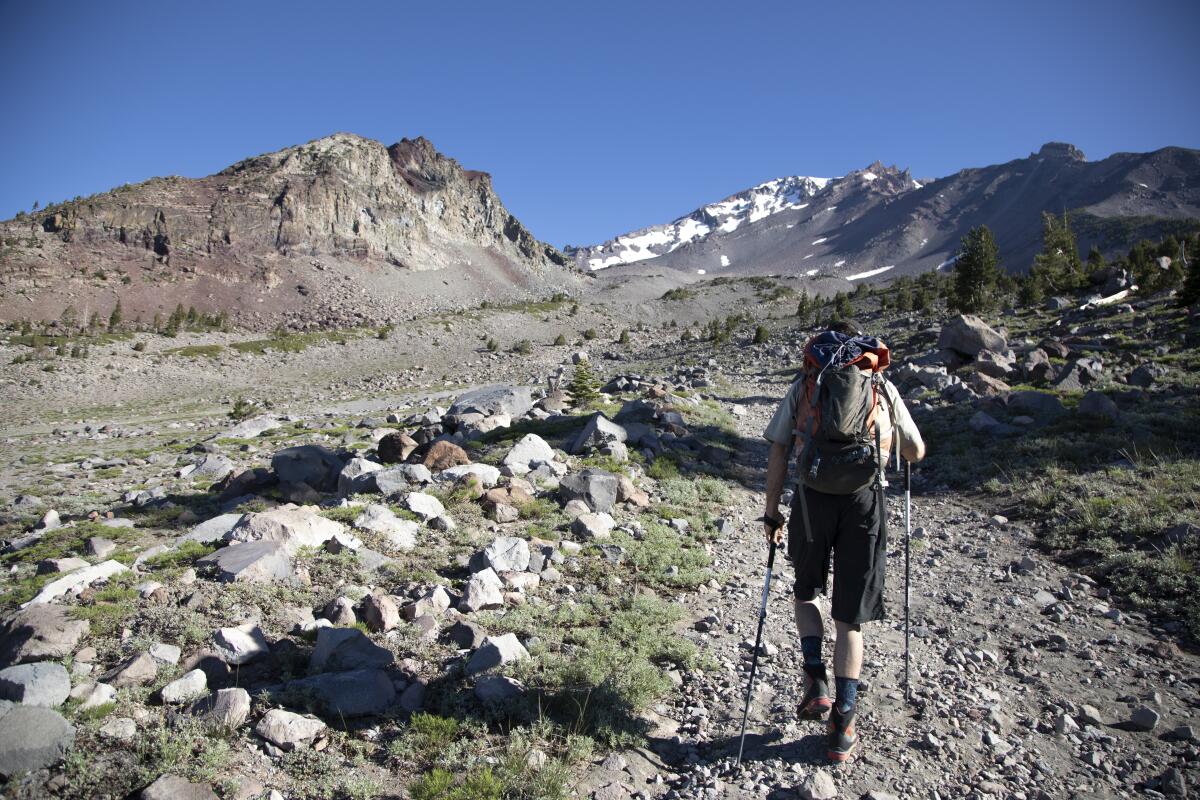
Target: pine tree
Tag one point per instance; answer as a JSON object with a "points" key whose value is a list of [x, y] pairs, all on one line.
{"points": [[842, 307], [1058, 266], [761, 334], [1095, 260], [976, 273], [804, 306], [115, 318], [583, 387], [1189, 295]]}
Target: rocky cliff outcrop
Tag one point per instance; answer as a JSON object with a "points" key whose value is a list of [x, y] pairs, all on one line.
{"points": [[283, 231]]}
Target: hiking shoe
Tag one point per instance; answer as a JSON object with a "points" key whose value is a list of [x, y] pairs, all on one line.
{"points": [[816, 702], [842, 736]]}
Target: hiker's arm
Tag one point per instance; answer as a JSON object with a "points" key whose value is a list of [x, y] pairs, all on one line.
{"points": [[912, 446], [776, 474]]}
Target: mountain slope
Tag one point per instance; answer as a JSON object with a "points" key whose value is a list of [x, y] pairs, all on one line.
{"points": [[286, 232], [879, 221]]}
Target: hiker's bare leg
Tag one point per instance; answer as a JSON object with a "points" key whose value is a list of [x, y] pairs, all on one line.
{"points": [[847, 650], [808, 619]]}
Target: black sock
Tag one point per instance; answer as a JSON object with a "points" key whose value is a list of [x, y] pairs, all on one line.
{"points": [[810, 646], [847, 694]]}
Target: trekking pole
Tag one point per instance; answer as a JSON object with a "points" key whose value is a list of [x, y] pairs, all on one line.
{"points": [[907, 574], [762, 618]]}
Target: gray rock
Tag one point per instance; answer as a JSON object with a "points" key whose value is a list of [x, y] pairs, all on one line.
{"points": [[1099, 406], [598, 431], [1144, 718], [75, 582], [252, 562], [504, 554], [466, 635], [381, 613], [1142, 376], [165, 653], [287, 730], [121, 729], [340, 611], [515, 401], [356, 693], [401, 534], [484, 590], [412, 699], [597, 525], [345, 649], [1035, 404], [187, 687], [530, 448], [310, 464], [253, 427], [99, 547], [211, 530], [485, 475], [32, 737], [136, 670], [424, 505], [292, 526], [98, 695], [240, 644], [433, 603], [225, 709], [49, 566], [43, 684], [173, 787], [967, 334], [595, 487], [211, 467], [496, 652], [40, 632], [358, 477], [498, 688], [818, 785]]}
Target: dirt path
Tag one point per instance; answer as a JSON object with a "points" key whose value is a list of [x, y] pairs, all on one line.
{"points": [[1000, 685]]}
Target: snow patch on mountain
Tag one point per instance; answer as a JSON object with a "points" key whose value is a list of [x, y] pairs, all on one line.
{"points": [[870, 273], [725, 216]]}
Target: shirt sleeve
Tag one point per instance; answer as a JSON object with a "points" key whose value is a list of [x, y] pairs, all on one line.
{"points": [[779, 429], [909, 434]]}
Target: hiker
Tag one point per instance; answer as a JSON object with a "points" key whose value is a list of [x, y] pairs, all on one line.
{"points": [[843, 433]]}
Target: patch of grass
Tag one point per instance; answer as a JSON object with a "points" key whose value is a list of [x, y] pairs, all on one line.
{"points": [[185, 553], [295, 342], [426, 737], [196, 351]]}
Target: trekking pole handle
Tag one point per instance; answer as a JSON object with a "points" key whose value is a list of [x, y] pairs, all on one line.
{"points": [[907, 475]]}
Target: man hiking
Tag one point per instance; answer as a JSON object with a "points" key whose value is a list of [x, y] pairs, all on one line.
{"points": [[843, 418]]}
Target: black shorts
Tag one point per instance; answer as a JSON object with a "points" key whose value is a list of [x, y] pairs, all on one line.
{"points": [[848, 527]]}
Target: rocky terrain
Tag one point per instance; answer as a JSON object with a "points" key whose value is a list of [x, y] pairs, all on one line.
{"points": [[418, 565], [339, 231], [880, 221]]}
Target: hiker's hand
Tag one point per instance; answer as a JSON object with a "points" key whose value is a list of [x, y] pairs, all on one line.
{"points": [[774, 528]]}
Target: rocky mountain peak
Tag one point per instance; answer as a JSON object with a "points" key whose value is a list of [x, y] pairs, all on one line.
{"points": [[1063, 151]]}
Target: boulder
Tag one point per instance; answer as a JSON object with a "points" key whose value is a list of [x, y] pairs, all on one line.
{"points": [[485, 475], [253, 562], [173, 787], [310, 464], [240, 644], [994, 365], [433, 603], [1142, 376], [1035, 404], [381, 613], [98, 694], [424, 505], [340, 611], [225, 709], [356, 693], [75, 582], [32, 737], [287, 730], [442, 455], [137, 670], [530, 448], [211, 467], [401, 534], [357, 477], [818, 785], [291, 526], [595, 487], [100, 547], [1079, 374], [968, 335], [598, 431], [401, 479], [484, 590], [496, 651], [627, 492], [986, 386], [211, 530], [347, 649], [504, 554], [1037, 367], [593, 525], [187, 687], [515, 401], [50, 566], [466, 635], [1099, 406], [42, 684], [396, 447], [40, 632], [491, 689]]}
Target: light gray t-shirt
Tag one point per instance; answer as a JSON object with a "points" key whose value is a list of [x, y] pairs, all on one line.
{"points": [[780, 430]]}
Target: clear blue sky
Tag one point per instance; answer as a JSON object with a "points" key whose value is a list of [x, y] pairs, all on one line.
{"points": [[593, 118]]}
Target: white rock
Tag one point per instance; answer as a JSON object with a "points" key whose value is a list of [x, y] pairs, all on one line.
{"points": [[240, 644], [288, 731], [75, 582], [188, 687], [424, 505]]}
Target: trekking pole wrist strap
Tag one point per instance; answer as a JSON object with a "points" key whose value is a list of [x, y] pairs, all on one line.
{"points": [[774, 520]]}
